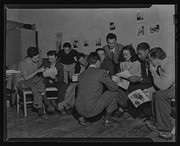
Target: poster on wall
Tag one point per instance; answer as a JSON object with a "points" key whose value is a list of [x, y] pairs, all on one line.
{"points": [[153, 29], [140, 17], [75, 43], [140, 31], [59, 37], [112, 26], [98, 42], [86, 43]]}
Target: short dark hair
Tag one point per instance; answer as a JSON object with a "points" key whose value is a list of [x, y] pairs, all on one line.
{"points": [[51, 53], [32, 51], [157, 52], [80, 55], [134, 55], [143, 46], [67, 44], [111, 36], [92, 58], [100, 49]]}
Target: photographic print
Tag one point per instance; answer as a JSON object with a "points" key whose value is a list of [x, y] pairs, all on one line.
{"points": [[59, 41], [140, 31], [98, 42], [140, 16], [86, 43], [75, 42], [112, 26], [153, 29]]}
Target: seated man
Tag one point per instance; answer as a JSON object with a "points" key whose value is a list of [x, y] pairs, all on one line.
{"points": [[164, 79], [58, 81], [71, 90], [29, 79], [91, 100], [106, 63]]}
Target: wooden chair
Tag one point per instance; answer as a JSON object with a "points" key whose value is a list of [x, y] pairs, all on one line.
{"points": [[22, 95]]}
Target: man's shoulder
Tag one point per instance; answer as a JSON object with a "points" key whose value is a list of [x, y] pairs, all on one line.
{"points": [[119, 46]]}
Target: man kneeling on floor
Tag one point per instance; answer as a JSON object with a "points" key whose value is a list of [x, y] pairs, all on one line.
{"points": [[91, 100]]}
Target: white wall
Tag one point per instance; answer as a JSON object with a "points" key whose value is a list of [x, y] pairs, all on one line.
{"points": [[93, 23]]}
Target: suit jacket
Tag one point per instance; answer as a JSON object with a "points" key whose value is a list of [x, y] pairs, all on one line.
{"points": [[58, 66], [117, 51], [90, 88]]}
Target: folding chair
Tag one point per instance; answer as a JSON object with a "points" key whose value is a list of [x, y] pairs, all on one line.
{"points": [[22, 95]]}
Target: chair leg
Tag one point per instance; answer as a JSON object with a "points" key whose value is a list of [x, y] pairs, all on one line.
{"points": [[17, 103], [24, 104]]}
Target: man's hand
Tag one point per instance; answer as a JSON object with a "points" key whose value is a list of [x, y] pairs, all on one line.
{"points": [[41, 70], [153, 68], [134, 79]]}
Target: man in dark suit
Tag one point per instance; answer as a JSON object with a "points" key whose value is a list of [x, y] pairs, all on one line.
{"points": [[91, 100], [113, 50], [58, 81]]}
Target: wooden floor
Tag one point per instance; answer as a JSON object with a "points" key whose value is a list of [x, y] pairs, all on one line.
{"points": [[66, 128]]}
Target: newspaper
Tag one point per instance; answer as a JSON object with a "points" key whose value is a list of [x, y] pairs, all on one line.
{"points": [[137, 97], [51, 72]]}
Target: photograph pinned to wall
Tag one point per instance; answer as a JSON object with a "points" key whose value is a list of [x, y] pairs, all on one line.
{"points": [[86, 43], [75, 43], [112, 26], [59, 37], [98, 42], [153, 29], [140, 31], [140, 17]]}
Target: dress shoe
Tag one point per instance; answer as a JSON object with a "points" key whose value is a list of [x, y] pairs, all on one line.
{"points": [[109, 122]]}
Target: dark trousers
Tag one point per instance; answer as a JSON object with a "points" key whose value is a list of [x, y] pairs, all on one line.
{"points": [[161, 108], [61, 86]]}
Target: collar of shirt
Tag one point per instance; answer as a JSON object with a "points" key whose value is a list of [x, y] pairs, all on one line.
{"points": [[112, 50], [92, 65]]}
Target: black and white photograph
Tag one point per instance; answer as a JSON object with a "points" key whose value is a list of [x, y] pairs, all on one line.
{"points": [[98, 42], [112, 26], [140, 31], [140, 17], [153, 29], [68, 71]]}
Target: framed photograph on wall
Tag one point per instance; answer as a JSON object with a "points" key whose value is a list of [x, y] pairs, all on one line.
{"points": [[140, 17], [140, 31], [153, 29], [59, 39], [86, 43], [75, 42], [98, 42], [112, 26]]}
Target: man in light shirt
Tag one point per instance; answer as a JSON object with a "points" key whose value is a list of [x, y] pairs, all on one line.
{"points": [[161, 99]]}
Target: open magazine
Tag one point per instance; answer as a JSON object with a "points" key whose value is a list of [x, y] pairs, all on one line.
{"points": [[137, 97], [51, 72], [120, 79]]}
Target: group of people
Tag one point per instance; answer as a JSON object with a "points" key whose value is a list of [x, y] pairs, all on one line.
{"points": [[95, 93]]}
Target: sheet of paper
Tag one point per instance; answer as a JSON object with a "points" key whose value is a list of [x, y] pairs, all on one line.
{"points": [[124, 74], [12, 71]]}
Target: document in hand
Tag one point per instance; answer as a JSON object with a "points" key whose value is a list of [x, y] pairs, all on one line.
{"points": [[50, 72], [75, 77], [137, 97], [121, 82], [124, 74]]}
